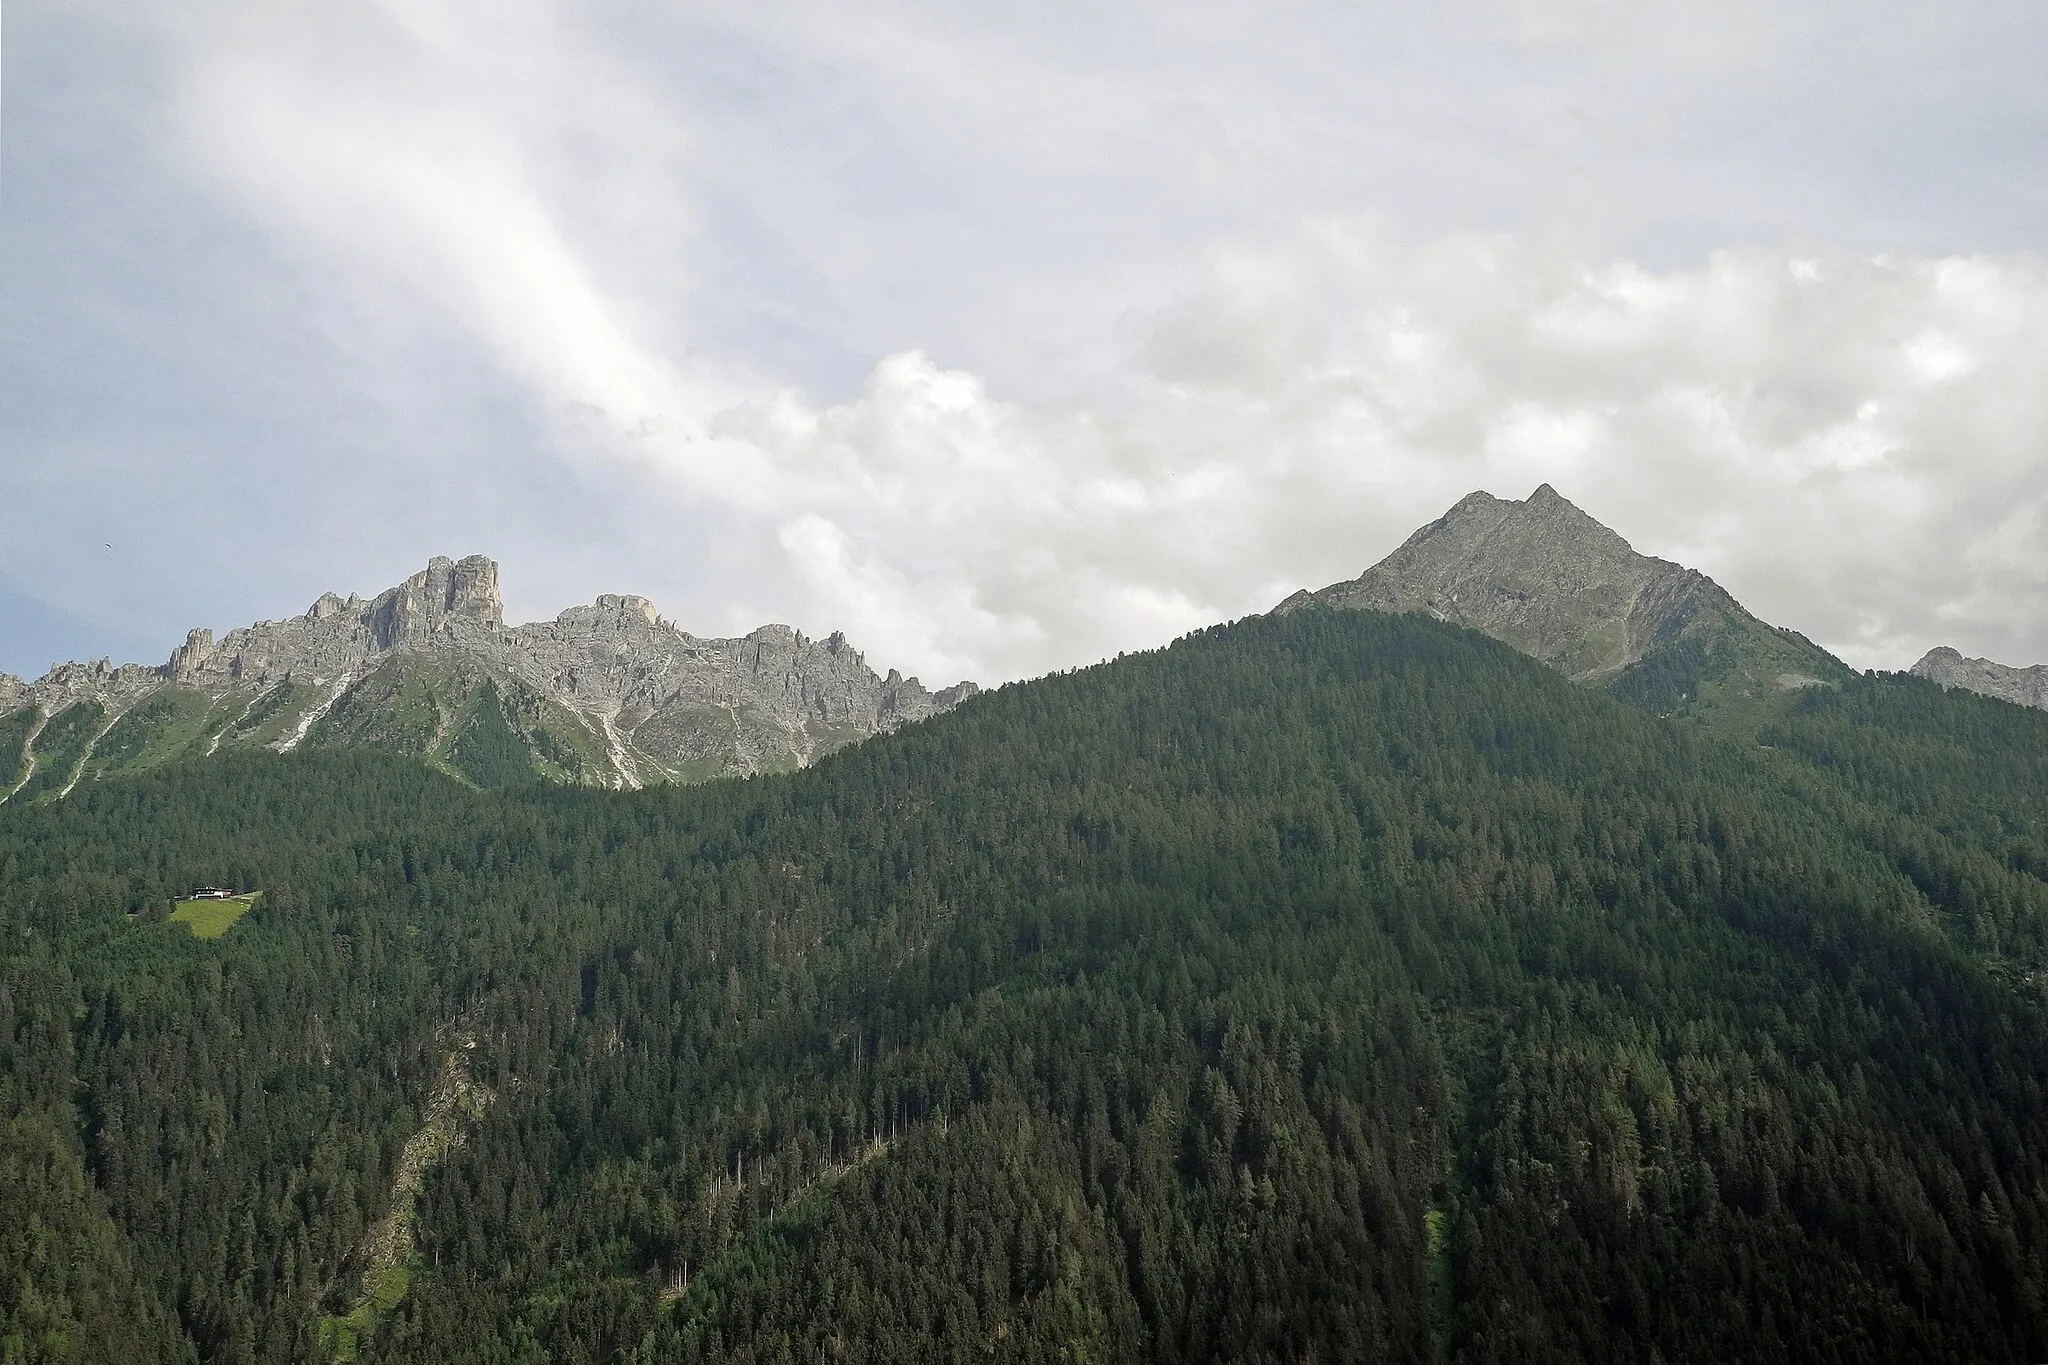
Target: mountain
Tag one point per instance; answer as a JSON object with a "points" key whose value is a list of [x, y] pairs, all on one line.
{"points": [[1337, 986], [1546, 578], [2021, 686], [608, 694]]}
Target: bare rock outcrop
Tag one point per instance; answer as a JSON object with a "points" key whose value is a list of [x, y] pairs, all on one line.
{"points": [[445, 592], [1546, 578], [608, 692], [2022, 686]]}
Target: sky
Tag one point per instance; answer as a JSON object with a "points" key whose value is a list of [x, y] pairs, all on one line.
{"points": [[1007, 338]]}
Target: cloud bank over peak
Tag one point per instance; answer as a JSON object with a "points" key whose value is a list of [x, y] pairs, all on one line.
{"points": [[1853, 445]]}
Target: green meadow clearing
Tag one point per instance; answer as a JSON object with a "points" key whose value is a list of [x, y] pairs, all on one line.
{"points": [[212, 918]]}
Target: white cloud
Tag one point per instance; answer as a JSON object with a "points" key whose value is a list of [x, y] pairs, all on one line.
{"points": [[1163, 313], [480, 163], [1774, 426]]}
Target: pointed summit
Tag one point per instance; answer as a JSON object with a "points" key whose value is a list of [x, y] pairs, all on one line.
{"points": [[1545, 577], [1540, 575]]}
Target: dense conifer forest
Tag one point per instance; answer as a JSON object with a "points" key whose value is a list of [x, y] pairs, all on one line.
{"points": [[1334, 987]]}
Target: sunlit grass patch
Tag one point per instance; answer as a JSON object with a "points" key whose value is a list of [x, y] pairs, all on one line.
{"points": [[211, 918]]}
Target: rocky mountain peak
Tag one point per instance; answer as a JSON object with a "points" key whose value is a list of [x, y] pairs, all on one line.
{"points": [[607, 693], [1949, 667], [464, 589], [188, 658], [1547, 578], [612, 611], [330, 604], [1539, 574], [627, 604]]}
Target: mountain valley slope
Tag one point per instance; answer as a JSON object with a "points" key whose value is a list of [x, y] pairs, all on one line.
{"points": [[1337, 985]]}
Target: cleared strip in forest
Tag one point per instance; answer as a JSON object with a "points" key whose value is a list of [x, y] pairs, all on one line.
{"points": [[208, 917], [457, 1100]]}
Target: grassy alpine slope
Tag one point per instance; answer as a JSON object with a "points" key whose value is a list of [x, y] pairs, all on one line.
{"points": [[1338, 985]]}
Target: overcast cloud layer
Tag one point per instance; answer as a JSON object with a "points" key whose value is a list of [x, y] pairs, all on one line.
{"points": [[1005, 344]]}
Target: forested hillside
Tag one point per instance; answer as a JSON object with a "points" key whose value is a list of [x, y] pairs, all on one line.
{"points": [[1339, 986]]}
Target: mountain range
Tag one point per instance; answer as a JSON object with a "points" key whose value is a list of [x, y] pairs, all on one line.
{"points": [[1332, 985], [613, 695], [607, 695]]}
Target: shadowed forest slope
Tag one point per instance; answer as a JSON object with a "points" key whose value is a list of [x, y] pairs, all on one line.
{"points": [[1339, 986]]}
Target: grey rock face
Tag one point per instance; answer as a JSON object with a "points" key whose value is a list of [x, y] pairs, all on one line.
{"points": [[770, 699], [2023, 686], [99, 680], [449, 601], [637, 697], [443, 592], [1544, 577]]}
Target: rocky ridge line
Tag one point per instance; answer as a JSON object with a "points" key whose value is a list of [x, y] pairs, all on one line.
{"points": [[607, 693], [2021, 686]]}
